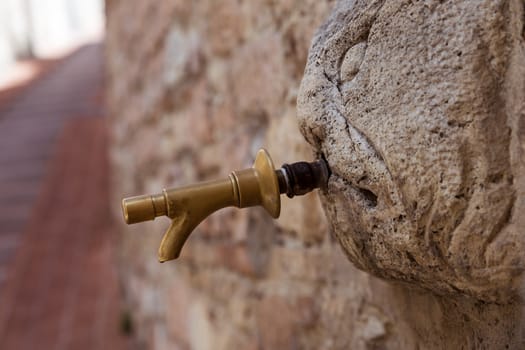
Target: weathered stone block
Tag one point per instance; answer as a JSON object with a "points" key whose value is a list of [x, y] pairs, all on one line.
{"points": [[414, 107]]}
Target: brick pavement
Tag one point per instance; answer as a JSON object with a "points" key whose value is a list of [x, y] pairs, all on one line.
{"points": [[60, 287], [30, 120]]}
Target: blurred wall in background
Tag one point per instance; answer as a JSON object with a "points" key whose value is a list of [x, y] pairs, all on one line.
{"points": [[33, 28]]}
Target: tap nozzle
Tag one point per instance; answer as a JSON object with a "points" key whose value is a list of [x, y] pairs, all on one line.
{"points": [[188, 206]]}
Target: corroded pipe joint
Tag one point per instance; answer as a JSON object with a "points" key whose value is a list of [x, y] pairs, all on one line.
{"points": [[299, 178]]}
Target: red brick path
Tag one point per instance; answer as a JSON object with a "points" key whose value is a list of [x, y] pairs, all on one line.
{"points": [[30, 121], [61, 289]]}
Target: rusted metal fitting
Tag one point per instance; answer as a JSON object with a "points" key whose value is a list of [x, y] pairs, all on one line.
{"points": [[299, 178]]}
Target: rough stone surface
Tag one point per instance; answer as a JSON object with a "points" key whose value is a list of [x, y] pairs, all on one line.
{"points": [[418, 106], [196, 87]]}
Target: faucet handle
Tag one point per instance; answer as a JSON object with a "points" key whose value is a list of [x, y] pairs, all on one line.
{"points": [[188, 206]]}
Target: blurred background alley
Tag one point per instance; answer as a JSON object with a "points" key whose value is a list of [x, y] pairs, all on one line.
{"points": [[58, 275]]}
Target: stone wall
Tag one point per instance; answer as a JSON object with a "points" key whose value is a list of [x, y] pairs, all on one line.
{"points": [[418, 107], [194, 89]]}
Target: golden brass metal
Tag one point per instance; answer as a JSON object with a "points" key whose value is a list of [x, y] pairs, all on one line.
{"points": [[259, 185], [188, 206]]}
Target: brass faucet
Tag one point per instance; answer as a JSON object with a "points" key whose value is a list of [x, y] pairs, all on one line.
{"points": [[188, 206]]}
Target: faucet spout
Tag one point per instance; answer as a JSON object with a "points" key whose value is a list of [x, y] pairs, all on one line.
{"points": [[188, 206]]}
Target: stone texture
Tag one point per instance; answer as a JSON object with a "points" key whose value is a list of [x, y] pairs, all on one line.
{"points": [[416, 108], [195, 88]]}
